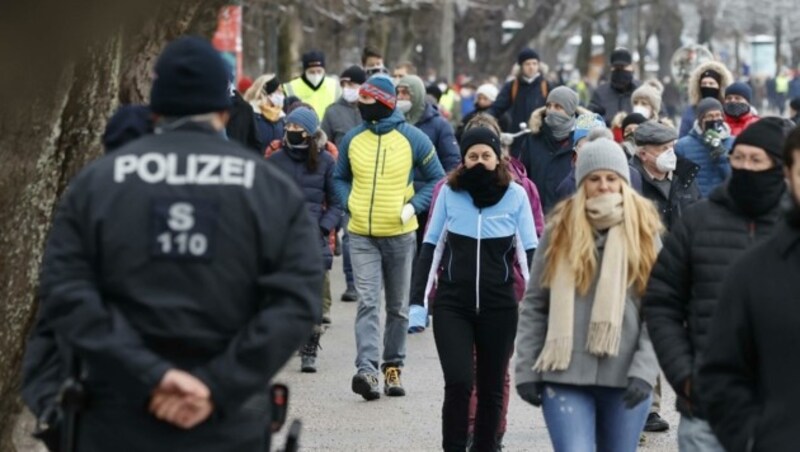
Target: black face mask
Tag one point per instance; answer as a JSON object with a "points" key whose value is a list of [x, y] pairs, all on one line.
{"points": [[482, 186], [707, 91], [295, 138], [374, 112], [736, 109], [714, 124], [621, 80], [756, 192], [793, 215]]}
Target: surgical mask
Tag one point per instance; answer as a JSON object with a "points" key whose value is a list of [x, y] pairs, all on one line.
{"points": [[643, 110], [314, 79], [277, 99], [350, 95], [667, 161], [404, 106], [443, 87]]}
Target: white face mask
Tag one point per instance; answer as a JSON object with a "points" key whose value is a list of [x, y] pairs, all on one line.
{"points": [[350, 94], [276, 99], [643, 110], [404, 106], [667, 161], [314, 79]]}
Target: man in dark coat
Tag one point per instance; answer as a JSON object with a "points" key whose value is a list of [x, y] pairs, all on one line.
{"points": [[241, 126], [615, 96], [522, 96], [667, 180], [748, 380], [170, 277], [684, 288]]}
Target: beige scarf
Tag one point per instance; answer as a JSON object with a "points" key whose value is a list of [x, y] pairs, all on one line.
{"points": [[605, 327]]}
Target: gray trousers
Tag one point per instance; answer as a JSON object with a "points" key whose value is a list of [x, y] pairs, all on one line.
{"points": [[695, 435], [381, 262]]}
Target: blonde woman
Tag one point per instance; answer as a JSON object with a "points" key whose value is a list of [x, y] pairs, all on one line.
{"points": [[583, 353], [266, 97]]}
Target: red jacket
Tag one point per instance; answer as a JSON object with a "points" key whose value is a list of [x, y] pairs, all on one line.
{"points": [[740, 123]]}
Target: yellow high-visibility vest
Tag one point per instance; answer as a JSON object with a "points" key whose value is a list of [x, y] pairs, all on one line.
{"points": [[320, 98]]}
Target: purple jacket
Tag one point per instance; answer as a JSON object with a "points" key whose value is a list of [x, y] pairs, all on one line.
{"points": [[518, 173]]}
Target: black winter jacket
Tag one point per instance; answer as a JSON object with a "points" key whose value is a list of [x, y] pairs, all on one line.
{"points": [[749, 376], [318, 189], [608, 101], [683, 291], [529, 97], [180, 250], [683, 192]]}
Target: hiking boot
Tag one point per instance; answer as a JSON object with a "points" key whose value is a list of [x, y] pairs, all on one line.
{"points": [[366, 385], [350, 294], [308, 354], [392, 386], [655, 423]]}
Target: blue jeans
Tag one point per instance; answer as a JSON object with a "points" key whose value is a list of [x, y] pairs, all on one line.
{"points": [[347, 265], [580, 418], [382, 262], [695, 435]]}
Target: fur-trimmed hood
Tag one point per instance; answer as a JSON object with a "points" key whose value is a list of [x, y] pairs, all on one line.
{"points": [[537, 118], [694, 80]]}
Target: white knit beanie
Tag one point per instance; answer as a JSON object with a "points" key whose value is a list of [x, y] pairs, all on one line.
{"points": [[488, 90]]}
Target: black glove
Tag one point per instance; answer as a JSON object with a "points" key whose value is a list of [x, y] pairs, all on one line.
{"points": [[531, 393], [324, 231], [637, 392]]}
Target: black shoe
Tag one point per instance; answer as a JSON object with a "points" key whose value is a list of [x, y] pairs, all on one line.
{"points": [[308, 364], [326, 320], [337, 246], [350, 294], [392, 386], [655, 423], [366, 385]]}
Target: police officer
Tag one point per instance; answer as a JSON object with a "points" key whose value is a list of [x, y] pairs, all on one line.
{"points": [[181, 270]]}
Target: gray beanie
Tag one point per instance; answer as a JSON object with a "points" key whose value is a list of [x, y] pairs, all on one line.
{"points": [[706, 105], [565, 97], [601, 154]]}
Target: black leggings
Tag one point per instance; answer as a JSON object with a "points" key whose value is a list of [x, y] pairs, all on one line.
{"points": [[490, 335]]}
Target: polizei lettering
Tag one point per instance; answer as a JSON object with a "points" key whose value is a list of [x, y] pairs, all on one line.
{"points": [[193, 169]]}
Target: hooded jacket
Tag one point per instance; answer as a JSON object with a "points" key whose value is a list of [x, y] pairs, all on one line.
{"points": [[688, 117], [712, 172], [427, 118], [546, 160], [374, 175], [317, 186], [684, 288]]}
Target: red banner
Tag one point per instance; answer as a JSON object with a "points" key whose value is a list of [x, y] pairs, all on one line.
{"points": [[228, 37]]}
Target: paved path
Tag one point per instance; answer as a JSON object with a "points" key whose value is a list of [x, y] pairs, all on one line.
{"points": [[335, 419]]}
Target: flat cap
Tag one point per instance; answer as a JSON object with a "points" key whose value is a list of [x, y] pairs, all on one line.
{"points": [[652, 132]]}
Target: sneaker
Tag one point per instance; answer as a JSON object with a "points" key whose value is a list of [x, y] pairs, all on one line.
{"points": [[308, 364], [392, 386], [655, 423], [366, 385], [350, 294], [417, 319]]}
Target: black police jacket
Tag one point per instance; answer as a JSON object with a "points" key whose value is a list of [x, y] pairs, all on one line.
{"points": [[180, 250]]}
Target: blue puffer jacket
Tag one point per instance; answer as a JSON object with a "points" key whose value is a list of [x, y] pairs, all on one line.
{"points": [[268, 131], [442, 136], [317, 187], [712, 172]]}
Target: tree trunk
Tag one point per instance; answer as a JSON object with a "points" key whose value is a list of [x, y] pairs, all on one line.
{"points": [[612, 34], [447, 40], [48, 135], [668, 29], [707, 9], [584, 55]]}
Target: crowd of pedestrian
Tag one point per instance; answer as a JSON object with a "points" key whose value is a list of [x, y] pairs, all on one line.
{"points": [[587, 237]]}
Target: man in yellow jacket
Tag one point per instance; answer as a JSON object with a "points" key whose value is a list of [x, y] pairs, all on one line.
{"points": [[374, 180], [313, 87]]}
